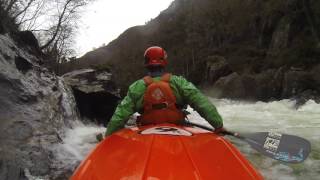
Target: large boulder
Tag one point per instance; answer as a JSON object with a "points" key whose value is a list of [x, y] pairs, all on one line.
{"points": [[217, 67], [302, 85], [95, 92], [230, 86], [269, 84], [262, 86], [297, 81], [272, 84]]}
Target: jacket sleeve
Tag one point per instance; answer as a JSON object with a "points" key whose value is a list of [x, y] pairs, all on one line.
{"points": [[192, 96], [122, 113]]}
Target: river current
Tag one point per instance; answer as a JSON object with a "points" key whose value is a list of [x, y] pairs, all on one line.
{"points": [[277, 116]]}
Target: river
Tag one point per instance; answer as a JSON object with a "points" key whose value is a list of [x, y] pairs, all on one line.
{"points": [[278, 116]]}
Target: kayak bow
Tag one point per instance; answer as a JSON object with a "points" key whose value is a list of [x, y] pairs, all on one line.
{"points": [[166, 152]]}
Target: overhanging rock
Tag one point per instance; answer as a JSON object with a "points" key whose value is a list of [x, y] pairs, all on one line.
{"points": [[95, 92]]}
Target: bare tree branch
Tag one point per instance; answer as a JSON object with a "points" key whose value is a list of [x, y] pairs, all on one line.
{"points": [[35, 14], [24, 9], [52, 21], [58, 25]]}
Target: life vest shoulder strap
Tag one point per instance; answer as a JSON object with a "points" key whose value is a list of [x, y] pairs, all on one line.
{"points": [[148, 80], [166, 77]]}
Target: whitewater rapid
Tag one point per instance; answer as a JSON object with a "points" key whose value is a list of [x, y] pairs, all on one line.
{"points": [[278, 116]]}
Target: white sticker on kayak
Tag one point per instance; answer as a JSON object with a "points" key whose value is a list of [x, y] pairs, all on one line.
{"points": [[271, 144], [274, 135], [167, 131]]}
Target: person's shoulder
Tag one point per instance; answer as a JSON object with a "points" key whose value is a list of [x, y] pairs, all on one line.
{"points": [[138, 82], [137, 86], [136, 89], [181, 82], [177, 78]]}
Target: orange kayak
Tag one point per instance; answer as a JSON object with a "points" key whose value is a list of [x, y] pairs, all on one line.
{"points": [[165, 152]]}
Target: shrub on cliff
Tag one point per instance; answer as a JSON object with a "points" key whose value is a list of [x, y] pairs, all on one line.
{"points": [[6, 22]]}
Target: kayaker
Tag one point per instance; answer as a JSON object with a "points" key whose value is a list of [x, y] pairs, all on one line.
{"points": [[160, 97]]}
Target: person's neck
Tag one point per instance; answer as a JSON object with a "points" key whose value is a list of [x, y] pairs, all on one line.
{"points": [[156, 71]]}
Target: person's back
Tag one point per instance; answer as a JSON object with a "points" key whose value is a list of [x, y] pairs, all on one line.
{"points": [[160, 96], [159, 102]]}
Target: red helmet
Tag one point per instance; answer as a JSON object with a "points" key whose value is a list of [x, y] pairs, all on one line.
{"points": [[155, 56]]}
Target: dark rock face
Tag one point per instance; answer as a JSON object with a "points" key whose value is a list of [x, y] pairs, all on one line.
{"points": [[315, 73], [28, 39], [217, 67], [35, 109], [22, 64], [306, 95], [29, 43], [271, 85], [230, 86], [296, 82], [96, 106], [235, 86], [95, 93]]}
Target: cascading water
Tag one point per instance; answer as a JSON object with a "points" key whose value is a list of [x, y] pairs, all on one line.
{"points": [[278, 116]]}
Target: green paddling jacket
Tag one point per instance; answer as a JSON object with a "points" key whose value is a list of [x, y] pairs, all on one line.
{"points": [[185, 92]]}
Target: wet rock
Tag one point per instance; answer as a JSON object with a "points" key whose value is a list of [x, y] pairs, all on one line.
{"points": [[272, 84], [269, 84], [261, 86], [40, 163], [19, 130], [35, 109], [296, 82], [306, 85], [217, 67], [305, 96], [9, 170], [231, 86]]}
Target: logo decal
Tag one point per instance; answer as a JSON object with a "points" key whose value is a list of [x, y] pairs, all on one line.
{"points": [[165, 130], [157, 94], [272, 142]]}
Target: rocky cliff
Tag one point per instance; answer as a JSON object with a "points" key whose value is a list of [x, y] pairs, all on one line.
{"points": [[35, 109], [270, 45]]}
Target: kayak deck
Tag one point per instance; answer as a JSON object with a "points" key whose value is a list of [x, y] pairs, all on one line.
{"points": [[190, 154]]}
